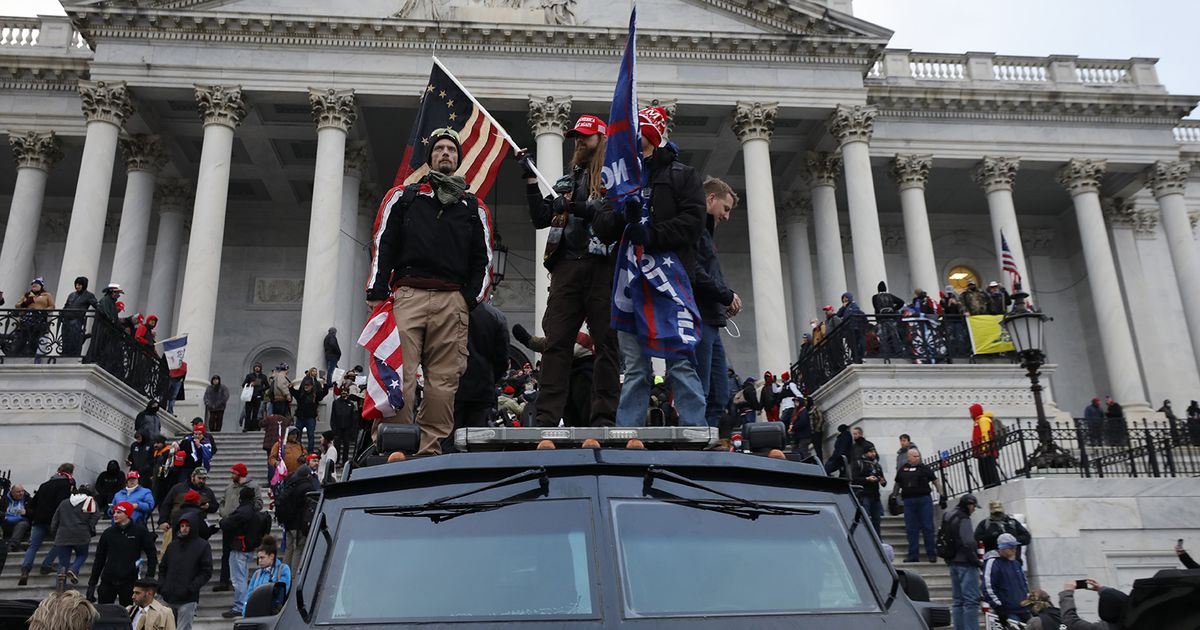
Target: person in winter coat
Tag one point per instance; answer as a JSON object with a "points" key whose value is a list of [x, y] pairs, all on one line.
{"points": [[15, 512], [292, 508], [913, 482], [983, 445], [800, 428], [746, 402], [239, 479], [974, 301], [344, 420], [185, 568], [243, 530], [902, 452], [145, 333], [45, 504], [147, 422], [1112, 607], [1116, 430], [307, 398], [868, 474], [32, 325], [279, 389], [989, 530], [198, 449], [107, 484], [1093, 423], [141, 458], [172, 505], [855, 319], [715, 300], [293, 453], [137, 495], [841, 450], [164, 468], [1046, 616], [333, 352], [109, 306], [147, 613], [115, 568], [216, 397], [73, 526], [74, 317], [964, 565], [887, 307], [998, 299], [275, 430], [257, 382], [271, 570], [1004, 583]]}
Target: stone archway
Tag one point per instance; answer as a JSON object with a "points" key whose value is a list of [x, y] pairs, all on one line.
{"points": [[270, 354]]}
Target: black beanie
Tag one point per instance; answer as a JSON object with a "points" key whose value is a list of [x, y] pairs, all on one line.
{"points": [[438, 135], [82, 280]]}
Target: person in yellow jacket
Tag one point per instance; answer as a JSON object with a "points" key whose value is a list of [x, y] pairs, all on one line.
{"points": [[983, 445]]}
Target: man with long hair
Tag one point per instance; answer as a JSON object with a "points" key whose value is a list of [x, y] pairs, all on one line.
{"points": [[580, 258]]}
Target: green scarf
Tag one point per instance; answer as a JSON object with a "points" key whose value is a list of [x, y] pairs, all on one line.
{"points": [[449, 188]]}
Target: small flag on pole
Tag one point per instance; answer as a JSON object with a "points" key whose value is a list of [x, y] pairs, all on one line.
{"points": [[1008, 263], [174, 351]]}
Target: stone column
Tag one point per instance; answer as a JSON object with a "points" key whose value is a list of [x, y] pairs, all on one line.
{"points": [[34, 153], [823, 171], [1081, 178], [174, 200], [911, 172], [852, 127], [1168, 182], [996, 176], [797, 210], [222, 110], [143, 159], [368, 207], [349, 286], [333, 111], [106, 106], [549, 118], [754, 123]]}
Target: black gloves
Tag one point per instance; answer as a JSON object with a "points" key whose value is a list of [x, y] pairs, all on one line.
{"points": [[526, 162], [942, 503], [582, 209], [631, 210], [91, 593]]}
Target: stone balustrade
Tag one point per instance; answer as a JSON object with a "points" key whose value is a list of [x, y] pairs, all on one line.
{"points": [[1188, 132], [1059, 71], [40, 35]]}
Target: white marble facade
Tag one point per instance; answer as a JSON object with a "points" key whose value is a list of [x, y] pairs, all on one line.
{"points": [[861, 137]]}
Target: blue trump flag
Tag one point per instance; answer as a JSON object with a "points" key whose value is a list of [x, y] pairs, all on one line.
{"points": [[652, 297]]}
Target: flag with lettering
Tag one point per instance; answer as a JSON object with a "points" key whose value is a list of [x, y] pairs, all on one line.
{"points": [[385, 384], [652, 297]]}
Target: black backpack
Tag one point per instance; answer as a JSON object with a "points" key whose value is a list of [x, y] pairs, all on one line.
{"points": [[947, 542]]}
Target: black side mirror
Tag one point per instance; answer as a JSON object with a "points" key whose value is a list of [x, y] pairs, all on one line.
{"points": [[261, 601]]}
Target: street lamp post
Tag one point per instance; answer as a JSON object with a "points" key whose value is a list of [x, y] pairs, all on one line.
{"points": [[1025, 328]]}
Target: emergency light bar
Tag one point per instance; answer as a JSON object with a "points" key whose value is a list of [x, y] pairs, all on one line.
{"points": [[527, 438]]}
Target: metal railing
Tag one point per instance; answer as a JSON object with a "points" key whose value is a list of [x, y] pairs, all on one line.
{"points": [[1111, 447], [51, 336], [925, 339]]}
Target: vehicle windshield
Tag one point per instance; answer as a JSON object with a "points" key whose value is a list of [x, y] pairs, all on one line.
{"points": [[529, 559], [681, 560]]}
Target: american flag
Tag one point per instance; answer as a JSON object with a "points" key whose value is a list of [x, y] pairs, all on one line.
{"points": [[385, 385], [444, 103], [1007, 262]]}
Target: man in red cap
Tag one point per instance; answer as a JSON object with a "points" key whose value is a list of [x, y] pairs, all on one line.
{"points": [[239, 477], [194, 488], [137, 495], [115, 567], [580, 259]]}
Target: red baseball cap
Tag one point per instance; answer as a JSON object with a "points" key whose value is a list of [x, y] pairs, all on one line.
{"points": [[198, 427], [133, 474], [191, 497], [124, 507], [180, 458], [588, 125], [313, 456]]}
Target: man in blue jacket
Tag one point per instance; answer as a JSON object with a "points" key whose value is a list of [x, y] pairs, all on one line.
{"points": [[1004, 583], [140, 496]]}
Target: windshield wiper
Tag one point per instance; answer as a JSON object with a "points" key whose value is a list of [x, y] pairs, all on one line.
{"points": [[732, 505], [445, 508]]}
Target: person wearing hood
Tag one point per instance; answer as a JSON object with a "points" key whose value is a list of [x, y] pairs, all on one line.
{"points": [[293, 452], [333, 352], [45, 504], [198, 448], [841, 450], [135, 494], [964, 564], [216, 397], [887, 309], [308, 397], [73, 526], [115, 568], [746, 402], [868, 476], [141, 458], [856, 320], [145, 334], [1004, 583], [108, 482], [147, 422], [31, 324], [984, 446], [185, 568], [73, 320], [1111, 608]]}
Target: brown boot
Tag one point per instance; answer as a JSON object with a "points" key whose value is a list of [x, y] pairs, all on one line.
{"points": [[24, 577]]}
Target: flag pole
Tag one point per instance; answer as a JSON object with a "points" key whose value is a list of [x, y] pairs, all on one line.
{"points": [[171, 339], [528, 162]]}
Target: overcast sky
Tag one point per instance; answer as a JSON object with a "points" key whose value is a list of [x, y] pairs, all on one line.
{"points": [[1116, 29]]}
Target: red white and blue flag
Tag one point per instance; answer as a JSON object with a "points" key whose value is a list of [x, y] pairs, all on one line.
{"points": [[652, 297], [385, 383], [1008, 263]]}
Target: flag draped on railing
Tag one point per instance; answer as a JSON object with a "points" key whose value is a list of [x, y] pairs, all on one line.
{"points": [[385, 383], [652, 297]]}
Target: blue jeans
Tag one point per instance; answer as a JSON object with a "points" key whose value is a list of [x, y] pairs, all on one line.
{"points": [[308, 425], [63, 553], [710, 364], [173, 387], [239, 567], [330, 366], [635, 391], [964, 586], [37, 534], [874, 508], [918, 519]]}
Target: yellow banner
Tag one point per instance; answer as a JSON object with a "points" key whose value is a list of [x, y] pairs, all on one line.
{"points": [[988, 336]]}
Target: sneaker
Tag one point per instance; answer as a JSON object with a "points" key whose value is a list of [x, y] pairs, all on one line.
{"points": [[46, 570], [231, 614], [222, 587], [24, 578], [908, 560], [933, 559], [71, 576]]}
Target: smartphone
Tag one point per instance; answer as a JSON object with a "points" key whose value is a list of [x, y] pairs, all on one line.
{"points": [[1081, 585], [1179, 545]]}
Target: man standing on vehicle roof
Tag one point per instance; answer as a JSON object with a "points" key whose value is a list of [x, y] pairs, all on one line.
{"points": [[432, 251]]}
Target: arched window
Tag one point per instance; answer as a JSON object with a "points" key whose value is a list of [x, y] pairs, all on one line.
{"points": [[960, 275]]}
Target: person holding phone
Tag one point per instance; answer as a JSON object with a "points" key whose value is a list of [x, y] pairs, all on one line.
{"points": [[1112, 608], [1187, 560]]}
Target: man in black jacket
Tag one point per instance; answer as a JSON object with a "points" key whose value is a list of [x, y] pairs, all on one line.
{"points": [[715, 300], [172, 505], [117, 554], [487, 361], [186, 567], [333, 353], [868, 475], [244, 530], [294, 510], [44, 503], [964, 564], [677, 210], [887, 307], [344, 420], [77, 305], [432, 252], [998, 523], [579, 257]]}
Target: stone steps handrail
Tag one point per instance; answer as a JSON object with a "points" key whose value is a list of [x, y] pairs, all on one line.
{"points": [[1063, 71]]}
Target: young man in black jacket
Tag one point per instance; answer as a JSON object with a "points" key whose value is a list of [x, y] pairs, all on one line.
{"points": [[186, 567], [120, 547], [432, 251], [244, 530], [579, 257], [715, 300], [964, 564], [676, 220], [73, 323], [44, 503], [868, 475]]}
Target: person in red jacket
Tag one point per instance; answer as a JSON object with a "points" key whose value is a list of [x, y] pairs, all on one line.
{"points": [[145, 332]]}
